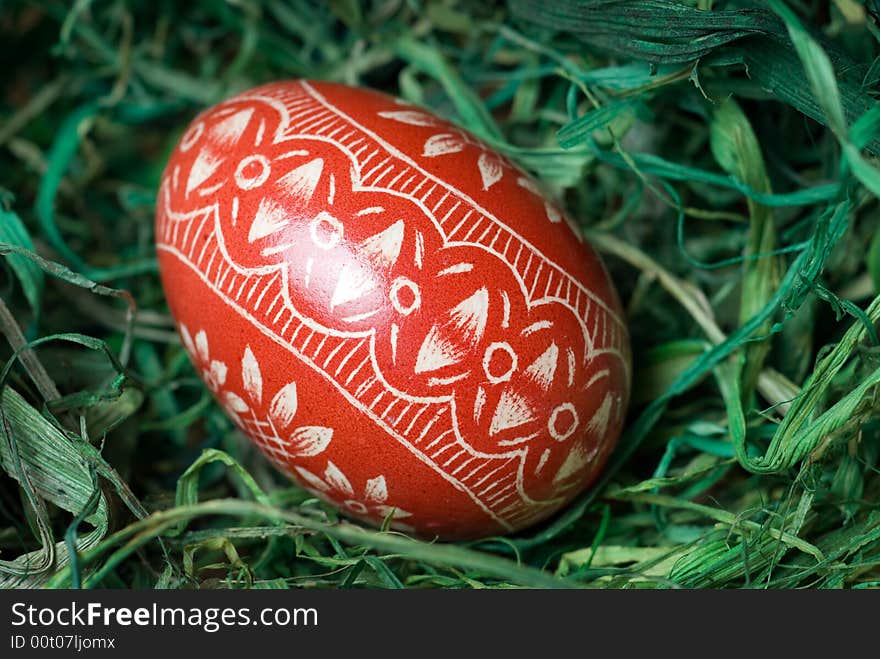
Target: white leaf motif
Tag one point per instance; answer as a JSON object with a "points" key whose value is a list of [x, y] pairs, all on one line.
{"points": [[411, 117], [553, 213], [283, 407], [202, 345], [309, 441], [202, 169], [491, 170], [529, 185], [439, 145], [235, 402], [513, 410], [302, 182], [437, 352], [270, 218], [251, 376], [579, 458], [187, 340], [312, 480], [602, 417], [377, 489], [337, 479], [218, 373], [228, 131], [396, 513]]}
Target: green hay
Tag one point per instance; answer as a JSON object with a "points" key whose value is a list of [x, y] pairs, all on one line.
{"points": [[720, 154]]}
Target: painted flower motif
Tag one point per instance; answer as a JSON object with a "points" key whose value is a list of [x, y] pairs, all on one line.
{"points": [[273, 429], [213, 371], [335, 486]]}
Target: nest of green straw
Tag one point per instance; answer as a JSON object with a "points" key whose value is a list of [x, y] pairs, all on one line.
{"points": [[721, 156]]}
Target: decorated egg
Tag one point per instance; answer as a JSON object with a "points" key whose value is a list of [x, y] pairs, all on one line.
{"points": [[391, 310]]}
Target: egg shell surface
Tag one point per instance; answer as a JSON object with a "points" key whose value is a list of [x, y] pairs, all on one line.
{"points": [[391, 310]]}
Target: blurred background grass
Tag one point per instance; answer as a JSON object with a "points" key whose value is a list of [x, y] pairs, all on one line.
{"points": [[721, 156]]}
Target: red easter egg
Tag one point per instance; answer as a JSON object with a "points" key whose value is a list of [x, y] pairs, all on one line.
{"points": [[390, 309]]}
